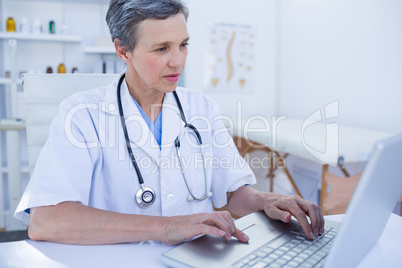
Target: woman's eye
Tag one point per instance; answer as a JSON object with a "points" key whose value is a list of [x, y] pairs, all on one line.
{"points": [[161, 49], [184, 44]]}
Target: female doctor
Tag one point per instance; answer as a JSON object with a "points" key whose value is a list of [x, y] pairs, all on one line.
{"points": [[141, 159]]}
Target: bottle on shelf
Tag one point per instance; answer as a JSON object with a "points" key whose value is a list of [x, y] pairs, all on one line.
{"points": [[37, 26], [49, 70], [10, 25], [52, 27], [61, 69], [24, 26]]}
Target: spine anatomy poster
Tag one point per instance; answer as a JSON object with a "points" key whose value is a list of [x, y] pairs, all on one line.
{"points": [[231, 58]]}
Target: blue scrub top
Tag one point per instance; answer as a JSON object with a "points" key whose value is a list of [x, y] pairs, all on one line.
{"points": [[155, 128]]}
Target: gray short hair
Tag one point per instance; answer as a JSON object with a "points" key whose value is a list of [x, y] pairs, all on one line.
{"points": [[124, 16]]}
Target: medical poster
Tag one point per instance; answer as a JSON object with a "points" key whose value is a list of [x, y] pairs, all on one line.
{"points": [[230, 65]]}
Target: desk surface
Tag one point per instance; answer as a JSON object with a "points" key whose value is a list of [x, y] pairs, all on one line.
{"points": [[385, 253]]}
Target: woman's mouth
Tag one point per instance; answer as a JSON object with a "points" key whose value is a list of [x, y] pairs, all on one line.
{"points": [[173, 78]]}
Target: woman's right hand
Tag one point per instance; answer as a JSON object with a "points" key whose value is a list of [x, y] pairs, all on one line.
{"points": [[176, 229]]}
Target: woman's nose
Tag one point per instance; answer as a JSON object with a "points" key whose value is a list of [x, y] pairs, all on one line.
{"points": [[177, 58]]}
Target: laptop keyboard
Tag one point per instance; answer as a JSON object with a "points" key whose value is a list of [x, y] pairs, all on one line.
{"points": [[298, 251]]}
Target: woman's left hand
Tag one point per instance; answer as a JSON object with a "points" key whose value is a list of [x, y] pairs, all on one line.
{"points": [[282, 207], [278, 207]]}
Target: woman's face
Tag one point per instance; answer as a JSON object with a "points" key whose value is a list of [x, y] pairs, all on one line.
{"points": [[158, 59]]}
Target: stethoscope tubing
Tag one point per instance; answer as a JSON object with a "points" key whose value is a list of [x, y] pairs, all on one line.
{"points": [[123, 124], [192, 197], [142, 196]]}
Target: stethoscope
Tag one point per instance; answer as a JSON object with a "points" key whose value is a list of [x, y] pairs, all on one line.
{"points": [[145, 196]]}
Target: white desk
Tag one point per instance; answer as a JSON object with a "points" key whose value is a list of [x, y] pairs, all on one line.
{"points": [[27, 253]]}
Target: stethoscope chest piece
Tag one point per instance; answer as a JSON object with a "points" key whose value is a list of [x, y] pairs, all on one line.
{"points": [[145, 197]]}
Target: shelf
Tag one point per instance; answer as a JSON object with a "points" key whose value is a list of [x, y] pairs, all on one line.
{"points": [[24, 169], [10, 124], [102, 2], [7, 81], [40, 37], [100, 50]]}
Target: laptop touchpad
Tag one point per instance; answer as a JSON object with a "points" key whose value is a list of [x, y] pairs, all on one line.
{"points": [[256, 232]]}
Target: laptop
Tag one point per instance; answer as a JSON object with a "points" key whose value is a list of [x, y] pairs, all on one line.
{"points": [[277, 244]]}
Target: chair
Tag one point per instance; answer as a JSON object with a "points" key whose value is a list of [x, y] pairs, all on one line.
{"points": [[342, 189], [400, 203], [43, 93], [245, 146]]}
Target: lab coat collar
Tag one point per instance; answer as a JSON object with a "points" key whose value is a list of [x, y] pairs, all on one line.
{"points": [[138, 131], [111, 98], [139, 134], [172, 123]]}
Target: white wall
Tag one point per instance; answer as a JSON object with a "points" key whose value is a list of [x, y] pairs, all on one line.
{"points": [[346, 50], [262, 14], [311, 53]]}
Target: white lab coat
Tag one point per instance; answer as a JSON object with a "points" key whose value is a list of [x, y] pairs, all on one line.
{"points": [[85, 158]]}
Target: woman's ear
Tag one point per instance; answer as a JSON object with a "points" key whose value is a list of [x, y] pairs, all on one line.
{"points": [[121, 51]]}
